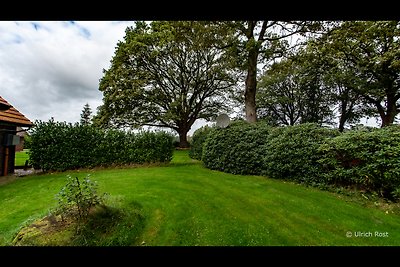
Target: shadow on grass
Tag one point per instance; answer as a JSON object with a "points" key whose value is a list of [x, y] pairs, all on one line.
{"points": [[111, 226], [183, 164], [106, 226]]}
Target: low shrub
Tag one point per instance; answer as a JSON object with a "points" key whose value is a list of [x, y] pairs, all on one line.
{"points": [[77, 198]]}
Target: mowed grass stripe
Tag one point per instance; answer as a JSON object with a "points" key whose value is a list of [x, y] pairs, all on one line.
{"points": [[185, 204], [21, 157]]}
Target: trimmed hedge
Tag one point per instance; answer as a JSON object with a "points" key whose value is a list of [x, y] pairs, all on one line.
{"points": [[198, 139], [369, 159], [62, 146], [237, 148], [291, 152], [283, 152]]}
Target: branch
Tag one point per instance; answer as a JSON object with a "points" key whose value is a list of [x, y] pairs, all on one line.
{"points": [[263, 29], [377, 104], [249, 31], [159, 125]]}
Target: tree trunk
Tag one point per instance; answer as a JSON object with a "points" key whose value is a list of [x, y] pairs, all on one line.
{"points": [[391, 111], [342, 121], [343, 115], [251, 86], [183, 142], [388, 119]]}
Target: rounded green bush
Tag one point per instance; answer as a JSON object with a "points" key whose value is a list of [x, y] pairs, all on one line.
{"points": [[236, 149], [291, 152], [198, 139], [369, 159]]}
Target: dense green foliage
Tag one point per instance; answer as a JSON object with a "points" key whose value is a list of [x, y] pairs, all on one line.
{"points": [[350, 70], [365, 158], [291, 152], [291, 91], [282, 152], [236, 149], [369, 52], [368, 159], [254, 43], [27, 141], [62, 146], [198, 139]]}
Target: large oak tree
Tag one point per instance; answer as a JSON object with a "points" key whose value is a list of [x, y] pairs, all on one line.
{"points": [[166, 74]]}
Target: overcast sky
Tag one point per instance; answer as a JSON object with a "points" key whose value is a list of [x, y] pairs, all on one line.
{"points": [[52, 68]]}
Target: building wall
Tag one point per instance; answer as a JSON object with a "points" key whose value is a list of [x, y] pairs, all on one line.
{"points": [[20, 146], [21, 135], [6, 129]]}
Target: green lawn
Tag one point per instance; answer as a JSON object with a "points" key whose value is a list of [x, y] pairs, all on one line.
{"points": [[185, 204], [21, 157]]}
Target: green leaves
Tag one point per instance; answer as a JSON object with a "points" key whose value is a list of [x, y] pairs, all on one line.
{"points": [[308, 153], [168, 74], [61, 146], [86, 115], [368, 51], [292, 91], [366, 158], [290, 152], [236, 149], [282, 152], [77, 198], [198, 139]]}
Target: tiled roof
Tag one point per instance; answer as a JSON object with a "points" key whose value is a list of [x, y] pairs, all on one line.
{"points": [[12, 115], [3, 104]]}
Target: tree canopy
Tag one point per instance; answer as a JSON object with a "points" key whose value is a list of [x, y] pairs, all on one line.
{"points": [[292, 91], [166, 74], [354, 65], [370, 51], [252, 43], [171, 73]]}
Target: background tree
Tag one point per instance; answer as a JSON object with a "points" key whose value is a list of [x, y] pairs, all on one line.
{"points": [[341, 81], [317, 96], [166, 74], [354, 66], [370, 51], [257, 42], [292, 91], [279, 96], [86, 115]]}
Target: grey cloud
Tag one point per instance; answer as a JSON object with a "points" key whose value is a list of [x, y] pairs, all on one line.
{"points": [[52, 69]]}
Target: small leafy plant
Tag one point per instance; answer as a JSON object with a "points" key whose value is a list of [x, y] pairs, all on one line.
{"points": [[77, 198]]}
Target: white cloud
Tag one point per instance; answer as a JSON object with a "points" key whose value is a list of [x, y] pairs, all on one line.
{"points": [[52, 68]]}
